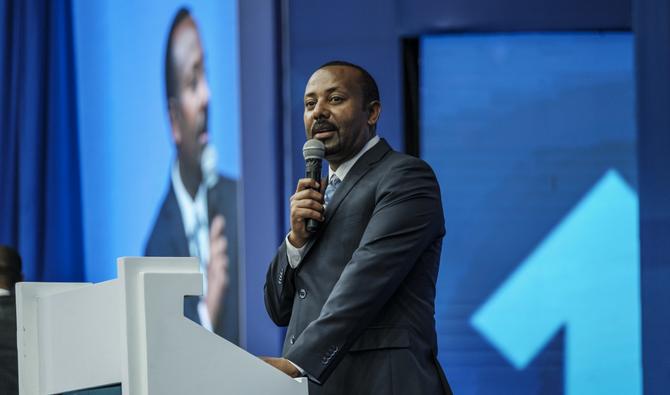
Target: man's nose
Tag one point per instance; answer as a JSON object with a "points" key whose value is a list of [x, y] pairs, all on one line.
{"points": [[320, 111]]}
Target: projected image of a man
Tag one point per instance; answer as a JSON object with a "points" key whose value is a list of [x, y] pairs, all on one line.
{"points": [[198, 215]]}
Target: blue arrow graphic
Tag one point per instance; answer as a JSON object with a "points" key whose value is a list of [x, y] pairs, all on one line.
{"points": [[585, 276]]}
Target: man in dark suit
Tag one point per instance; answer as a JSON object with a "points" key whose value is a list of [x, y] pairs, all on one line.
{"points": [[10, 274], [199, 214], [358, 295]]}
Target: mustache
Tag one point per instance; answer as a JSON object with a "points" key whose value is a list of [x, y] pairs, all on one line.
{"points": [[320, 126]]}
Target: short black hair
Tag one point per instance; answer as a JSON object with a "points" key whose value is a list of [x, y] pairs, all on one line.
{"points": [[10, 266], [368, 84], [170, 68]]}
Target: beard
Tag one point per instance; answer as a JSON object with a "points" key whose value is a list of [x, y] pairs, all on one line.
{"points": [[331, 143]]}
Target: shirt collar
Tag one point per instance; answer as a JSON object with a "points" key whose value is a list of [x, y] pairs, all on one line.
{"points": [[192, 210], [344, 168]]}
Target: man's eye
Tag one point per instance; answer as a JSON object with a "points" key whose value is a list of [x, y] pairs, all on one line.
{"points": [[309, 104], [336, 99]]}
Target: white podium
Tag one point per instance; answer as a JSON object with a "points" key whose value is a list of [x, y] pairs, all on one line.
{"points": [[132, 331]]}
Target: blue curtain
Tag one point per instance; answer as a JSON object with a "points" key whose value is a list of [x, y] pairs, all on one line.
{"points": [[40, 199]]}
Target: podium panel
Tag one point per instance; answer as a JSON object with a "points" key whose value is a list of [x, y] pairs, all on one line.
{"points": [[131, 331]]}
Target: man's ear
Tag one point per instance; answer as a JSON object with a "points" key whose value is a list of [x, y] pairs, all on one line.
{"points": [[374, 109], [173, 112]]}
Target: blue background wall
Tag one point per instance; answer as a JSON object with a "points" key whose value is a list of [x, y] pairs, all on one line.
{"points": [[532, 137]]}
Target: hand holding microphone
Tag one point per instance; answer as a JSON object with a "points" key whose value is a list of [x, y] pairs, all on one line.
{"points": [[307, 202]]}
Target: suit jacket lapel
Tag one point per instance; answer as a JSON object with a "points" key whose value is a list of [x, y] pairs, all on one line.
{"points": [[362, 166], [177, 233]]}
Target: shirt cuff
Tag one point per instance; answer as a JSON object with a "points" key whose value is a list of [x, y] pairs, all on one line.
{"points": [[203, 314], [294, 254], [302, 372]]}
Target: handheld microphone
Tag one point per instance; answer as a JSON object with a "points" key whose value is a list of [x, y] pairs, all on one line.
{"points": [[208, 161], [313, 151]]}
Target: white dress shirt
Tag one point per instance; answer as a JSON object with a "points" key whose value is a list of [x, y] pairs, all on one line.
{"points": [[196, 226]]}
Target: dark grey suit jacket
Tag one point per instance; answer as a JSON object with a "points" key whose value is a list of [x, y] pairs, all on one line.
{"points": [[9, 374], [360, 307], [168, 238]]}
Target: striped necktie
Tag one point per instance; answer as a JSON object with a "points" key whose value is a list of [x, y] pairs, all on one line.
{"points": [[332, 186]]}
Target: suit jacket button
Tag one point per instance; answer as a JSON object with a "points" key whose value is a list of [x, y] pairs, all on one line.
{"points": [[292, 339], [302, 294]]}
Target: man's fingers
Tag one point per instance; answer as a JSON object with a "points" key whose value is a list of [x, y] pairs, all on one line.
{"points": [[300, 211], [306, 183], [299, 214], [308, 203], [308, 194], [216, 229], [282, 364], [219, 246]]}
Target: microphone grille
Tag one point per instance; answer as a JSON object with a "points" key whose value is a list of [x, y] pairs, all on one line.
{"points": [[208, 161], [313, 149]]}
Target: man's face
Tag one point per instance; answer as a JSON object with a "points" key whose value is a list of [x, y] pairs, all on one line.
{"points": [[335, 112], [188, 111]]}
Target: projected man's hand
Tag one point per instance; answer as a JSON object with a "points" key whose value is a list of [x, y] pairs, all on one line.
{"points": [[217, 269]]}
